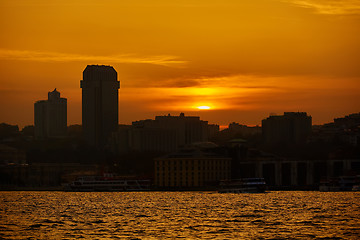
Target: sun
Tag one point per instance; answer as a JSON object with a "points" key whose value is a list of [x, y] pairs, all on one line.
{"points": [[203, 107]]}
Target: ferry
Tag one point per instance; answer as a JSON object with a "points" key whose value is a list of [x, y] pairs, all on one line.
{"points": [[356, 186], [108, 184], [329, 185], [336, 184], [243, 185]]}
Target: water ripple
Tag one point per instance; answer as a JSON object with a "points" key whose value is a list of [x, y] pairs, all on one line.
{"points": [[188, 215]]}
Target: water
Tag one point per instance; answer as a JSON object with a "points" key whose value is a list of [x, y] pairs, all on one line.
{"points": [[188, 215]]}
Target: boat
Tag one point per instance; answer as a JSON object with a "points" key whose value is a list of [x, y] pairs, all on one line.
{"points": [[329, 185], [243, 185], [108, 183], [336, 184], [356, 186]]}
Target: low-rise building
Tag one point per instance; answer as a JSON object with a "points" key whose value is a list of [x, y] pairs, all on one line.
{"points": [[10, 155], [197, 165], [163, 134], [290, 128], [244, 130]]}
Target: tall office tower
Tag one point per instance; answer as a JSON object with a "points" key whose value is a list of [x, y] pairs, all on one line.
{"points": [[50, 116], [99, 103]]}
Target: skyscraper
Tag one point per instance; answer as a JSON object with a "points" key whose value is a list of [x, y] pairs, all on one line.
{"points": [[99, 103], [50, 116]]}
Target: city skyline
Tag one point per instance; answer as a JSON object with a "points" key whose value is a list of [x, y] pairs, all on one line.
{"points": [[172, 114], [223, 61], [140, 119]]}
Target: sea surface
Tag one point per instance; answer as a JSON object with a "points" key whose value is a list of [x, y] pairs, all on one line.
{"points": [[179, 215]]}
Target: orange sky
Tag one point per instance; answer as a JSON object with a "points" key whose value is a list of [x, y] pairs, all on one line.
{"points": [[244, 59]]}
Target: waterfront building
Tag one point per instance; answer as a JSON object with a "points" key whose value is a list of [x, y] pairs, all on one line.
{"points": [[50, 116], [290, 128], [36, 176], [10, 155], [100, 103], [197, 165]]}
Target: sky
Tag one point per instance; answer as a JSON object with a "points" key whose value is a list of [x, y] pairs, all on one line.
{"points": [[243, 60]]}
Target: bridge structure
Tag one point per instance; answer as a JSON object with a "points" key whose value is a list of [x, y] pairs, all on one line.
{"points": [[291, 172]]}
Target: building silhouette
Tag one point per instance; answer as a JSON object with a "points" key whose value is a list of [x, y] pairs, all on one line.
{"points": [[349, 121], [244, 130], [99, 103], [345, 130], [213, 130], [196, 165], [50, 116], [164, 134], [290, 128]]}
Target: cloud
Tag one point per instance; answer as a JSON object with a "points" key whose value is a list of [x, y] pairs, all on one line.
{"points": [[163, 60], [330, 7], [193, 79]]}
